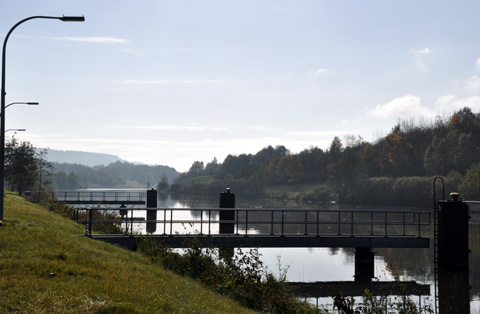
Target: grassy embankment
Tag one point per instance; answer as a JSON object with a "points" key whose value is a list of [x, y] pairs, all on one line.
{"points": [[47, 267]]}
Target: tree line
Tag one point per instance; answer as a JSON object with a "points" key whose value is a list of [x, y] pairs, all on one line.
{"points": [[117, 174], [396, 169], [27, 168]]}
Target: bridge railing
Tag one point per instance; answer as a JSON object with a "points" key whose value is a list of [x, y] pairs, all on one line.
{"points": [[86, 196], [266, 222]]}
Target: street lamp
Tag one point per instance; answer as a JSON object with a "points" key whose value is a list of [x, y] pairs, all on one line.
{"points": [[28, 103], [16, 130], [2, 95]]}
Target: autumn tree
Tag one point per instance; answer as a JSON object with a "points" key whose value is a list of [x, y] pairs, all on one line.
{"points": [[21, 164], [163, 184], [45, 169]]}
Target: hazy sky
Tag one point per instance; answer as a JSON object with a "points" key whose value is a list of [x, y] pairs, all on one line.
{"points": [[172, 82]]}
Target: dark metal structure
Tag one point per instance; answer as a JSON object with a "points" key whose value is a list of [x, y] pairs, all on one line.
{"points": [[274, 227], [91, 197], [3, 93]]}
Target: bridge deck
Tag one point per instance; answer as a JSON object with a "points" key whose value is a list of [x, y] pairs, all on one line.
{"points": [[112, 197], [249, 227], [353, 288], [99, 202], [267, 241]]}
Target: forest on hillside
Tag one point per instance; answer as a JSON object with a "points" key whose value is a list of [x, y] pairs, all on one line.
{"points": [[118, 174], [396, 169]]}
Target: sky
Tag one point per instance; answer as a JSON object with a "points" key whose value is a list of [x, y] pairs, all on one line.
{"points": [[172, 82]]}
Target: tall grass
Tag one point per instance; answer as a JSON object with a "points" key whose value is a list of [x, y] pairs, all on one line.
{"points": [[241, 276], [47, 267]]}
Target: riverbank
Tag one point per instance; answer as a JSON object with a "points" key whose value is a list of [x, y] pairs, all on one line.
{"points": [[47, 267]]}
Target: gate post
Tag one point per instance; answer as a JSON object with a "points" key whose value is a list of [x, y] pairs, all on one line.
{"points": [[364, 264], [151, 213], [453, 233], [227, 200]]}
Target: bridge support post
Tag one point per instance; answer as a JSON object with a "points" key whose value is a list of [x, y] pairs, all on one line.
{"points": [[364, 264], [453, 234], [227, 200], [151, 213]]}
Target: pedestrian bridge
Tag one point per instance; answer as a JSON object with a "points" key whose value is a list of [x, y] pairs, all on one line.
{"points": [[261, 227], [85, 197]]}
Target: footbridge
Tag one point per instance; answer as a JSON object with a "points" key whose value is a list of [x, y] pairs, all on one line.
{"points": [[109, 219], [87, 197], [251, 227]]}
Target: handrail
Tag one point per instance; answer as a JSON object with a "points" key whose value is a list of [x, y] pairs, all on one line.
{"points": [[274, 221], [88, 196]]}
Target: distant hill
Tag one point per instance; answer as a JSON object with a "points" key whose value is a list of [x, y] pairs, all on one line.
{"points": [[77, 169], [82, 158]]}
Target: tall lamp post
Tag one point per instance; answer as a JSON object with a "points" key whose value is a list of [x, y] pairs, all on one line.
{"points": [[2, 112], [28, 103]]}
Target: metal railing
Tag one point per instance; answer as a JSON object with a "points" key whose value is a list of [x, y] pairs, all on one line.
{"points": [[271, 222], [87, 196]]}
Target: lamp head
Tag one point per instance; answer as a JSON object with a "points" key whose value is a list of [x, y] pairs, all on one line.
{"points": [[72, 18]]}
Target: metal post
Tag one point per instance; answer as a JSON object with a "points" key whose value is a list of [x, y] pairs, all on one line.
{"points": [[371, 223], [453, 251], [171, 222], [339, 223], [227, 200], [209, 221], [131, 223], [271, 223], [305, 227], [283, 222], [351, 223], [246, 222], [386, 224], [151, 213], [90, 217], [164, 221]]}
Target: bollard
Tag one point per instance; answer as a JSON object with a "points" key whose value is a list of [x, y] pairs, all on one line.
{"points": [[227, 200], [453, 291], [453, 233], [151, 213], [364, 265]]}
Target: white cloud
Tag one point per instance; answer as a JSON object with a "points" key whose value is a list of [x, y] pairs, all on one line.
{"points": [[477, 64], [167, 128], [444, 103], [102, 40], [420, 58], [449, 103], [318, 72], [171, 81], [317, 134], [406, 106], [471, 85], [285, 76]]}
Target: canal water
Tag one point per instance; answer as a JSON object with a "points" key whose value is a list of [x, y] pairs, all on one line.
{"points": [[337, 264]]}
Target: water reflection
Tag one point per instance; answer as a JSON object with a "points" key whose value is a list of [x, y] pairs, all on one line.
{"points": [[336, 264]]}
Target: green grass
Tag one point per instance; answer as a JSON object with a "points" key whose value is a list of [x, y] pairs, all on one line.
{"points": [[46, 266]]}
